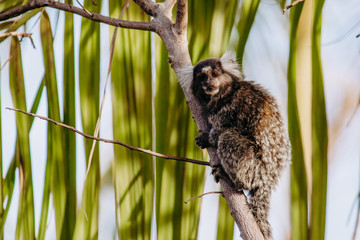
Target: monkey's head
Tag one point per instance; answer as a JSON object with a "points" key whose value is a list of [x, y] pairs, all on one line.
{"points": [[212, 77]]}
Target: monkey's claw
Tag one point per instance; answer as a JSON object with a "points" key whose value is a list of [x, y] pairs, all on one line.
{"points": [[219, 172]]}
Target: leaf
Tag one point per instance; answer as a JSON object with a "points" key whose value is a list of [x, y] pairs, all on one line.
{"points": [[7, 5], [47, 187], [247, 16], [299, 206], [25, 223], [69, 119], [282, 4], [8, 182], [1, 171], [131, 100], [319, 133], [225, 221], [89, 83], [55, 135]]}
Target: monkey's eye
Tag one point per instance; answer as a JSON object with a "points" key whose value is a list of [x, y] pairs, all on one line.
{"points": [[214, 74], [202, 77]]}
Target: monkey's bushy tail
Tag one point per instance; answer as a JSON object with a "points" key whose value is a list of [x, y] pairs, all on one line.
{"points": [[260, 205]]}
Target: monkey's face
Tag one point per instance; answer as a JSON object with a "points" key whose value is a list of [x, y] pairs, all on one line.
{"points": [[209, 78]]}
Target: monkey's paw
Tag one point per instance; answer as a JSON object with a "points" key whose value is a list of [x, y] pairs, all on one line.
{"points": [[203, 140]]}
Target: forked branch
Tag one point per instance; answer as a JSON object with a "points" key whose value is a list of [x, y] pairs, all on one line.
{"points": [[149, 26], [148, 6]]}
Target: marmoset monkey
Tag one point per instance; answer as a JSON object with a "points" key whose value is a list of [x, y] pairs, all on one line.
{"points": [[247, 131]]}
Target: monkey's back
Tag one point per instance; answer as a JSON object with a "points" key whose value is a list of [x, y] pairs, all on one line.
{"points": [[253, 114]]}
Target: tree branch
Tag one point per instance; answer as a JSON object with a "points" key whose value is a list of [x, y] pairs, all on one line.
{"points": [[189, 160], [291, 5], [148, 6], [179, 57], [202, 195], [15, 34], [148, 26], [181, 16], [87, 11], [237, 201]]}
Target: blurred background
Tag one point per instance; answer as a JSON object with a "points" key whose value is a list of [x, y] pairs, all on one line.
{"points": [[308, 58]]}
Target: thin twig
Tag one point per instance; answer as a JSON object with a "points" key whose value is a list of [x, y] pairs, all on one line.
{"points": [[15, 34], [147, 26], [87, 11], [215, 192], [291, 5], [18, 34], [182, 159]]}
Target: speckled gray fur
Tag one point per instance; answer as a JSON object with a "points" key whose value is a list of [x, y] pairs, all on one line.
{"points": [[248, 131]]}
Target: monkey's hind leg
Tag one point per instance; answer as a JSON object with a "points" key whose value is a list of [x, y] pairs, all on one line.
{"points": [[237, 157], [239, 160]]}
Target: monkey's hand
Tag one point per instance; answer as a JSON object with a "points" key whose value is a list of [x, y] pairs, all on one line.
{"points": [[203, 140]]}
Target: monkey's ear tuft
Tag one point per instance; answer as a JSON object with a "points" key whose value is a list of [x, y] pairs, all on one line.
{"points": [[185, 76], [230, 65]]}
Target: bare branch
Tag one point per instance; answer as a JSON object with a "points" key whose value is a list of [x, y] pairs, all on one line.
{"points": [[148, 26], [15, 34], [291, 5], [181, 16], [241, 213], [204, 194], [18, 34], [189, 160], [148, 6]]}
